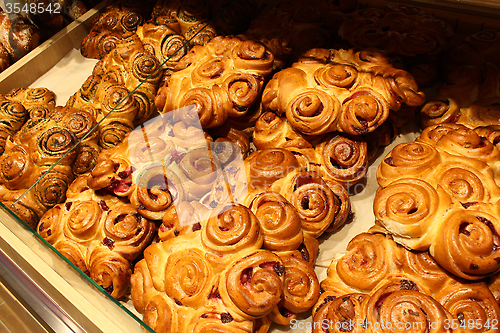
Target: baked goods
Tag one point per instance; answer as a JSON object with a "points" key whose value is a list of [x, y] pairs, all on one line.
{"points": [[99, 233], [377, 282], [14, 115], [116, 20], [165, 44], [220, 80], [340, 90], [120, 91], [440, 193]]}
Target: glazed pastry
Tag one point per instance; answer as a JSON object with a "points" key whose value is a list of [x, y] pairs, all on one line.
{"points": [[38, 102], [445, 199], [340, 90], [315, 199], [163, 43], [14, 115], [36, 165], [109, 28], [99, 234], [408, 279], [226, 69], [107, 93]]}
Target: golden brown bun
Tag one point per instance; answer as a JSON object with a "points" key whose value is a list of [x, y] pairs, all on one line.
{"points": [[99, 234], [375, 272], [222, 79], [440, 193], [340, 90]]}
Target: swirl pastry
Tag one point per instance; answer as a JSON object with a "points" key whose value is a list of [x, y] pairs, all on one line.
{"points": [[99, 234], [115, 21], [226, 78], [165, 44], [467, 244], [472, 305], [318, 205], [14, 115], [343, 159], [336, 90], [447, 202], [273, 131], [38, 102], [407, 280], [279, 221], [301, 288], [339, 314], [254, 284], [266, 166]]}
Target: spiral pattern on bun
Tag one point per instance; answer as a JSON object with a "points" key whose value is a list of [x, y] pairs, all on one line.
{"points": [[407, 160], [408, 207], [313, 112], [254, 284], [268, 165], [344, 160], [467, 244], [474, 306], [279, 222], [231, 230], [109, 270], [188, 277]]}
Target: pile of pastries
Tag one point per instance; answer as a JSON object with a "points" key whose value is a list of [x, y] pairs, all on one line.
{"points": [[195, 169], [378, 284]]}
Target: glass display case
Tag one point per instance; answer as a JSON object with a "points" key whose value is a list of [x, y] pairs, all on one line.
{"points": [[150, 145]]}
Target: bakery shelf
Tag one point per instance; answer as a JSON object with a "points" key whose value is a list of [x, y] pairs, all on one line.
{"points": [[72, 291]]}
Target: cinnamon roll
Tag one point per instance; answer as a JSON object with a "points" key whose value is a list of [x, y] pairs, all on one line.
{"points": [[188, 278], [14, 115], [363, 111], [279, 221], [157, 189], [472, 305], [467, 244], [126, 232], [421, 264], [231, 230], [301, 286], [253, 285], [403, 304], [438, 111], [266, 166], [343, 159], [315, 202], [339, 314], [408, 208], [226, 78], [273, 131], [370, 258], [160, 314], [407, 160], [108, 269]]}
